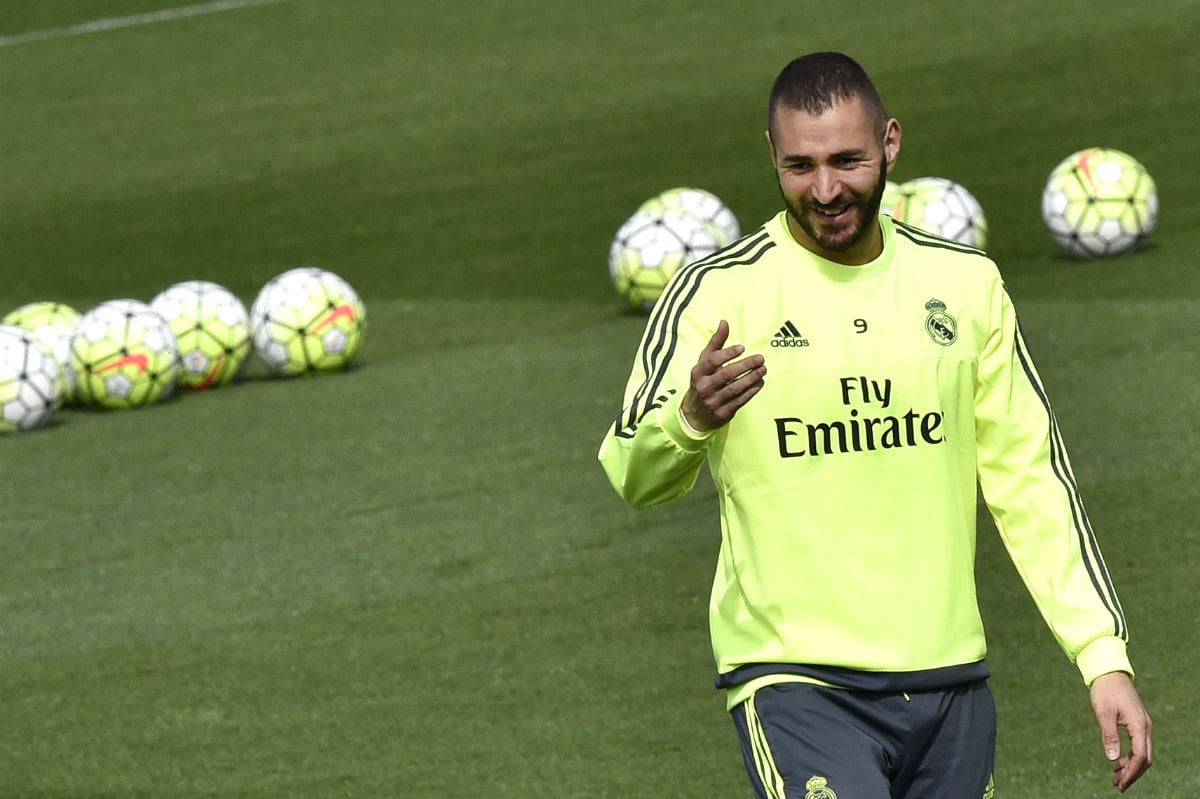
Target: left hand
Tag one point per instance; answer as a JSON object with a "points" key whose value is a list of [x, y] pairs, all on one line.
{"points": [[1116, 704]]}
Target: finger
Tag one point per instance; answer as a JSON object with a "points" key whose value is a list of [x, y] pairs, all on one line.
{"points": [[718, 338], [718, 368], [733, 397], [1139, 742], [732, 369], [1127, 776], [1143, 738], [709, 386], [1128, 770], [733, 377], [712, 361], [1123, 774], [1131, 767], [737, 391], [715, 353]]}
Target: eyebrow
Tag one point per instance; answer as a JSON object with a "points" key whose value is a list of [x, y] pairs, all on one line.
{"points": [[854, 152]]}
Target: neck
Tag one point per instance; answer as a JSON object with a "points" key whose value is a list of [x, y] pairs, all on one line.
{"points": [[861, 252]]}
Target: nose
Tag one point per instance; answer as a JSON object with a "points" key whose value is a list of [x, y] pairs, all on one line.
{"points": [[827, 187]]}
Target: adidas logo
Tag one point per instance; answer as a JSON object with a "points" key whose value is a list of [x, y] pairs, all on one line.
{"points": [[789, 336]]}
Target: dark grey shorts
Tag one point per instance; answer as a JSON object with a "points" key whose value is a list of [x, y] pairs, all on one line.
{"points": [[803, 741]]}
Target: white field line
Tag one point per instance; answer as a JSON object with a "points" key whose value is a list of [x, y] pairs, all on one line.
{"points": [[113, 23]]}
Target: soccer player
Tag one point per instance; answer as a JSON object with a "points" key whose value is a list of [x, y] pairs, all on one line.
{"points": [[843, 613]]}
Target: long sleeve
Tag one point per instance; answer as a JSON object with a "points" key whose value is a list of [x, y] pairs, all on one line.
{"points": [[895, 391], [1027, 482], [650, 453]]}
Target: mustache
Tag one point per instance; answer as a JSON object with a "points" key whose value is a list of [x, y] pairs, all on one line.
{"points": [[840, 204]]}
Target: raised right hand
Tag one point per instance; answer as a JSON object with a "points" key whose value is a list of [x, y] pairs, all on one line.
{"points": [[720, 384]]}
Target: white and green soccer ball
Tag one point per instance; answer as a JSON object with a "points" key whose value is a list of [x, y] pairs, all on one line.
{"points": [[651, 246], [698, 202], [212, 329], [29, 377], [942, 207], [51, 323], [1099, 202], [307, 319], [124, 355]]}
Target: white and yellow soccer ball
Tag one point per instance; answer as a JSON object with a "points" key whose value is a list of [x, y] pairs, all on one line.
{"points": [[51, 323], [1099, 202], [124, 355], [307, 319], [212, 328], [890, 199], [697, 202], [651, 246], [942, 207], [29, 378]]}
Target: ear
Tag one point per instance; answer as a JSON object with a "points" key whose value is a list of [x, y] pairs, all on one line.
{"points": [[770, 145], [891, 142]]}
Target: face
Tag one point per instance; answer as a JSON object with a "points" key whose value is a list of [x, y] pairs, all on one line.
{"points": [[832, 170]]}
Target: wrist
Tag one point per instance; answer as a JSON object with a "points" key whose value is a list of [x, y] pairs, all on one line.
{"points": [[681, 430], [1103, 656]]}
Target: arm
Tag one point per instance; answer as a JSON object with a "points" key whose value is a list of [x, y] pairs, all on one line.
{"points": [[1028, 484], [654, 455]]}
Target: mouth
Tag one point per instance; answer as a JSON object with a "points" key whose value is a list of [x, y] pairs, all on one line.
{"points": [[832, 214]]}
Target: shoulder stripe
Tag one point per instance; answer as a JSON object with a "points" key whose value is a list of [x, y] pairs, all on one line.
{"points": [[658, 343], [1089, 547], [924, 238]]}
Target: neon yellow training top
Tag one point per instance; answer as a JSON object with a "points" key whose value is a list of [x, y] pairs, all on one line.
{"points": [[848, 484]]}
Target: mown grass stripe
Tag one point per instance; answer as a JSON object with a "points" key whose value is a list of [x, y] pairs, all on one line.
{"points": [[129, 21]]}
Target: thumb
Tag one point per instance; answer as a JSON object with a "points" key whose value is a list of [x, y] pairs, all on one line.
{"points": [[1109, 736], [718, 337]]}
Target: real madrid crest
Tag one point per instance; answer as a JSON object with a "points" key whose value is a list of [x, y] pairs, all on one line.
{"points": [[940, 326], [818, 788]]}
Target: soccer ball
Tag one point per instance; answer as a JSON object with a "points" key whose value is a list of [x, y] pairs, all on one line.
{"points": [[212, 328], [51, 323], [944, 208], [650, 247], [124, 355], [1099, 202], [697, 202], [307, 319], [29, 377]]}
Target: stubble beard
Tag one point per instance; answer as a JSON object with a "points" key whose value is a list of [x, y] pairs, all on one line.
{"points": [[847, 236]]}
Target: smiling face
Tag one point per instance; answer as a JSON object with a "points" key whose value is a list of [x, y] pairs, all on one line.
{"points": [[832, 169]]}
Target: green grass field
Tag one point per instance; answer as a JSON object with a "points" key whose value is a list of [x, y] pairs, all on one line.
{"points": [[412, 579]]}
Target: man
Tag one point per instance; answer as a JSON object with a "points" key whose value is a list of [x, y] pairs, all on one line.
{"points": [[843, 613]]}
